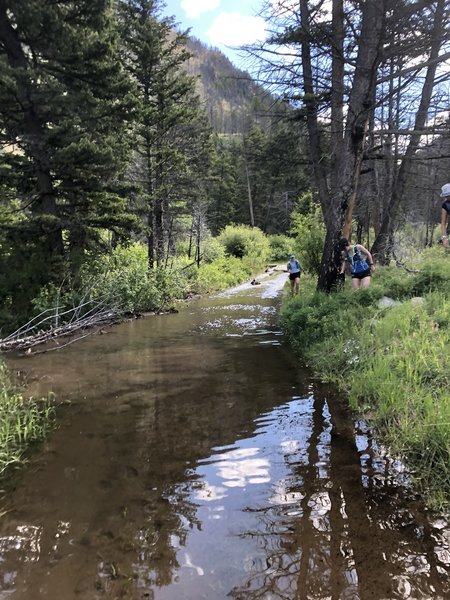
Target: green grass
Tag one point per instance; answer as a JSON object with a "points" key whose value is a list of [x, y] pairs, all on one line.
{"points": [[23, 422], [392, 362]]}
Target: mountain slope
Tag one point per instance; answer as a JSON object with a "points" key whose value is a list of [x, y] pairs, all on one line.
{"points": [[232, 99]]}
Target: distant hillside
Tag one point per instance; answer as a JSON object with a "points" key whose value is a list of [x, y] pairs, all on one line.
{"points": [[232, 100]]}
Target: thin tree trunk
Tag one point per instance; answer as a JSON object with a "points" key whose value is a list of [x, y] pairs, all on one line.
{"points": [[314, 137], [349, 162], [191, 236], [150, 220], [381, 247], [199, 232], [158, 210], [337, 95], [249, 191]]}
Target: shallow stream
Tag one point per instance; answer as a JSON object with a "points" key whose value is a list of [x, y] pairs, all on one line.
{"points": [[195, 459]]}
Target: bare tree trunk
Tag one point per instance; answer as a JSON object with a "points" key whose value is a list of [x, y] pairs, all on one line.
{"points": [[314, 137], [249, 190], [381, 247], [158, 208], [150, 219], [199, 232], [191, 236], [337, 79], [349, 161]]}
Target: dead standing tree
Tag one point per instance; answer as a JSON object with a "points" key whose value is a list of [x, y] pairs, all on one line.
{"points": [[381, 247], [347, 166], [348, 49], [330, 64]]}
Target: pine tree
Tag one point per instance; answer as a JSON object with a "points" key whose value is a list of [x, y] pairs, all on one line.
{"points": [[64, 106], [170, 122]]}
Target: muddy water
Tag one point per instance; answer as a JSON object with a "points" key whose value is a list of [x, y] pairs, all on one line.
{"points": [[196, 459]]}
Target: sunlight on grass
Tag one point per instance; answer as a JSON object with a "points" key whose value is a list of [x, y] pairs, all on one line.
{"points": [[392, 362]]}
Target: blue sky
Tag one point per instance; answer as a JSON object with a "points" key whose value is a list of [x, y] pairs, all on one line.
{"points": [[220, 23]]}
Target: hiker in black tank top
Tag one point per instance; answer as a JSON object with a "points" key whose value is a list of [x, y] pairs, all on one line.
{"points": [[360, 261]]}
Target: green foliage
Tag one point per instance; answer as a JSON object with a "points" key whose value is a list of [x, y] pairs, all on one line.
{"points": [[220, 274], [212, 250], [122, 277], [23, 421], [429, 272], [392, 361], [280, 247], [309, 230], [248, 243]]}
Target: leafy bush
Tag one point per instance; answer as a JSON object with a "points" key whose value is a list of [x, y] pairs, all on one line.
{"points": [[430, 272], [220, 274], [309, 232], [280, 247], [247, 243], [212, 249], [123, 278]]}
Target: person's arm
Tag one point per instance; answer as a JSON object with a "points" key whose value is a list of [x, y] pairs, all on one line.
{"points": [[343, 263], [444, 221], [368, 255]]}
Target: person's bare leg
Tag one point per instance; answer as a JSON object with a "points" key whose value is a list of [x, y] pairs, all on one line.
{"points": [[365, 282], [355, 282], [296, 285]]}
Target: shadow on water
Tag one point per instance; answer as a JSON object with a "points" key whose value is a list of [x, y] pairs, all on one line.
{"points": [[199, 460]]}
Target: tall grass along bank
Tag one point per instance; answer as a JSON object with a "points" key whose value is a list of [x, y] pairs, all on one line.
{"points": [[23, 422], [387, 347]]}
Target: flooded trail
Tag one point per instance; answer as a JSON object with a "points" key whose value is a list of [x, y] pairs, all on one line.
{"points": [[196, 459]]}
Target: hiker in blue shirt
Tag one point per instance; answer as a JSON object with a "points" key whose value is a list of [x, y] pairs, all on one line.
{"points": [[360, 261], [293, 268], [445, 212]]}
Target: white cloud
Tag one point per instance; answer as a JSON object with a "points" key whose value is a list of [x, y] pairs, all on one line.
{"points": [[234, 29], [194, 8]]}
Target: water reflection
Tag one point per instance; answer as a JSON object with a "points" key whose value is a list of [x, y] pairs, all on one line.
{"points": [[199, 461]]}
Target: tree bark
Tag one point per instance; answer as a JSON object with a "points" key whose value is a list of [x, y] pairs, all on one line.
{"points": [[249, 191], [337, 94], [349, 162], [310, 102], [381, 248]]}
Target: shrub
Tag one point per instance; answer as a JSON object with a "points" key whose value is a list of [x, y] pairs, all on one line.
{"points": [[123, 278], [220, 274], [212, 249], [309, 232], [280, 247], [248, 243]]}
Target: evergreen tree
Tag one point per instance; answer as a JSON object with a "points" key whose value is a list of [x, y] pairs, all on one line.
{"points": [[170, 124], [226, 186], [64, 105]]}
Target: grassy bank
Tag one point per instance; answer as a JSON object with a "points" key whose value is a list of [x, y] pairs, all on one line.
{"points": [[23, 422], [391, 359]]}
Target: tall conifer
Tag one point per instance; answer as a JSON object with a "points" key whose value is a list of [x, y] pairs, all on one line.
{"points": [[64, 105], [170, 125]]}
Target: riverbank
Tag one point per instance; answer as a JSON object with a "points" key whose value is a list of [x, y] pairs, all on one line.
{"points": [[387, 346]]}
